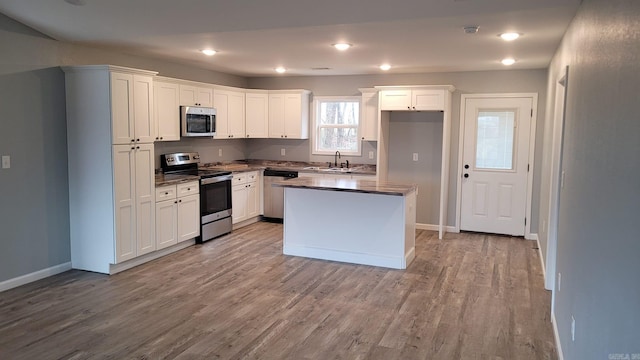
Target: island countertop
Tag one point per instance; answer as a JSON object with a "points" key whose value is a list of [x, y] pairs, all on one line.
{"points": [[349, 185]]}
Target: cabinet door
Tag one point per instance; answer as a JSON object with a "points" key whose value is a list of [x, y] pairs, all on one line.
{"points": [[395, 100], [253, 200], [188, 217], [145, 193], [427, 99], [125, 201], [239, 203], [167, 111], [257, 115], [221, 103], [196, 96], [276, 115], [235, 122], [122, 119], [369, 126], [166, 223], [294, 123], [204, 96], [144, 124]]}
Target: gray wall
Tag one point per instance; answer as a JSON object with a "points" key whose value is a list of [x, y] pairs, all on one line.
{"points": [[34, 205], [506, 81], [598, 243], [421, 133]]}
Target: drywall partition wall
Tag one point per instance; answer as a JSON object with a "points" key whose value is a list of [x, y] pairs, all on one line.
{"points": [[417, 133], [598, 235], [34, 210], [508, 81]]}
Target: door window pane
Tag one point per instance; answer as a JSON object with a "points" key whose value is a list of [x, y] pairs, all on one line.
{"points": [[494, 140]]}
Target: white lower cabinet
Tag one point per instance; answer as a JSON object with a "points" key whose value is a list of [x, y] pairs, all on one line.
{"points": [[133, 168], [245, 196], [177, 213]]}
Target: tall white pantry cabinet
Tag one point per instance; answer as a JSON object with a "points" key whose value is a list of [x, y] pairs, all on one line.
{"points": [[110, 133]]}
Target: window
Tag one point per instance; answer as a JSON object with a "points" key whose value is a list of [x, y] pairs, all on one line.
{"points": [[336, 125], [495, 140]]}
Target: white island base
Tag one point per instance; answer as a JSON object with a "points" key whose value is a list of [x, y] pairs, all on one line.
{"points": [[355, 227]]}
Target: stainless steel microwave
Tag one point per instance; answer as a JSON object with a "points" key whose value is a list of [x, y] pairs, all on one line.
{"points": [[197, 121]]}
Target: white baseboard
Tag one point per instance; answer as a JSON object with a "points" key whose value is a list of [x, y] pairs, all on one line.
{"points": [[544, 269], [114, 269], [433, 227], [34, 276], [531, 237], [554, 325]]}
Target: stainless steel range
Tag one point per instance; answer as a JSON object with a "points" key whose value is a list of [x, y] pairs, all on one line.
{"points": [[215, 193]]}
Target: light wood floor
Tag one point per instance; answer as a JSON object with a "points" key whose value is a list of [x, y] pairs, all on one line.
{"points": [[469, 296]]}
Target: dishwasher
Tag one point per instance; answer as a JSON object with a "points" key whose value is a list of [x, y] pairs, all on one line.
{"points": [[274, 195]]}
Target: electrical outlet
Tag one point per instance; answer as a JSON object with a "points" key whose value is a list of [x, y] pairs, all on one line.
{"points": [[370, 154], [283, 152], [415, 156], [220, 152], [6, 161], [573, 329], [559, 281]]}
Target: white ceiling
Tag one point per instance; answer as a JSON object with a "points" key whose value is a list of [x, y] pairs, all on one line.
{"points": [[255, 36]]}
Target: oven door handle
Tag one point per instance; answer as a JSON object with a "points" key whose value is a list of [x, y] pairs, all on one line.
{"points": [[216, 179]]}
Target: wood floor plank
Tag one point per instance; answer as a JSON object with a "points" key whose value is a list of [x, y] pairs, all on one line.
{"points": [[469, 296]]}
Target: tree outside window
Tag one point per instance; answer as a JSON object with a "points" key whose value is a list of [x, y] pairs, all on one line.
{"points": [[337, 125]]}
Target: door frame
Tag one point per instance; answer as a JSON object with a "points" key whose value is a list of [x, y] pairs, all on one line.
{"points": [[555, 178], [532, 147]]}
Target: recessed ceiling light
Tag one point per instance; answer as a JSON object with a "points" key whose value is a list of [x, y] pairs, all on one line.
{"points": [[508, 61], [342, 46], [209, 52], [509, 36], [385, 67], [280, 70]]}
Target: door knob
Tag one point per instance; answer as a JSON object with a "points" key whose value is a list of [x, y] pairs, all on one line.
{"points": [[466, 166], [466, 175]]}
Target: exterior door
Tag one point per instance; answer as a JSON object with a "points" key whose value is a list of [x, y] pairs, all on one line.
{"points": [[495, 164]]}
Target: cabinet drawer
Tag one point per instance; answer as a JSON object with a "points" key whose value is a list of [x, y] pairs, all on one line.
{"points": [[165, 193], [239, 179], [252, 176], [189, 188]]}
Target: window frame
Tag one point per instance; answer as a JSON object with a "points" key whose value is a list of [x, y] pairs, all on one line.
{"points": [[315, 126]]}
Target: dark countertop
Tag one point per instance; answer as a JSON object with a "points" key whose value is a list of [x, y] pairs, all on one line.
{"points": [[351, 185], [171, 179], [260, 165]]}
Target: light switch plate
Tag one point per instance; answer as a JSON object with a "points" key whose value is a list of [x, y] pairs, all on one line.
{"points": [[370, 154], [415, 156], [6, 161]]}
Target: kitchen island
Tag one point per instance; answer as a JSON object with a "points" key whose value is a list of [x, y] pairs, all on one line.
{"points": [[355, 221]]}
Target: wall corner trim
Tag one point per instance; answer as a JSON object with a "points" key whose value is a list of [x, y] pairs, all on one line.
{"points": [[34, 276]]}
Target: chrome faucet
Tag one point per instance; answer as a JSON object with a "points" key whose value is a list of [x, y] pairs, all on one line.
{"points": [[335, 158]]}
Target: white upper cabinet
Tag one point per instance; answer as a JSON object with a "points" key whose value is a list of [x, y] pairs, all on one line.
{"points": [[166, 98], [192, 95], [289, 114], [257, 114], [132, 108], [412, 99], [369, 114], [230, 109]]}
